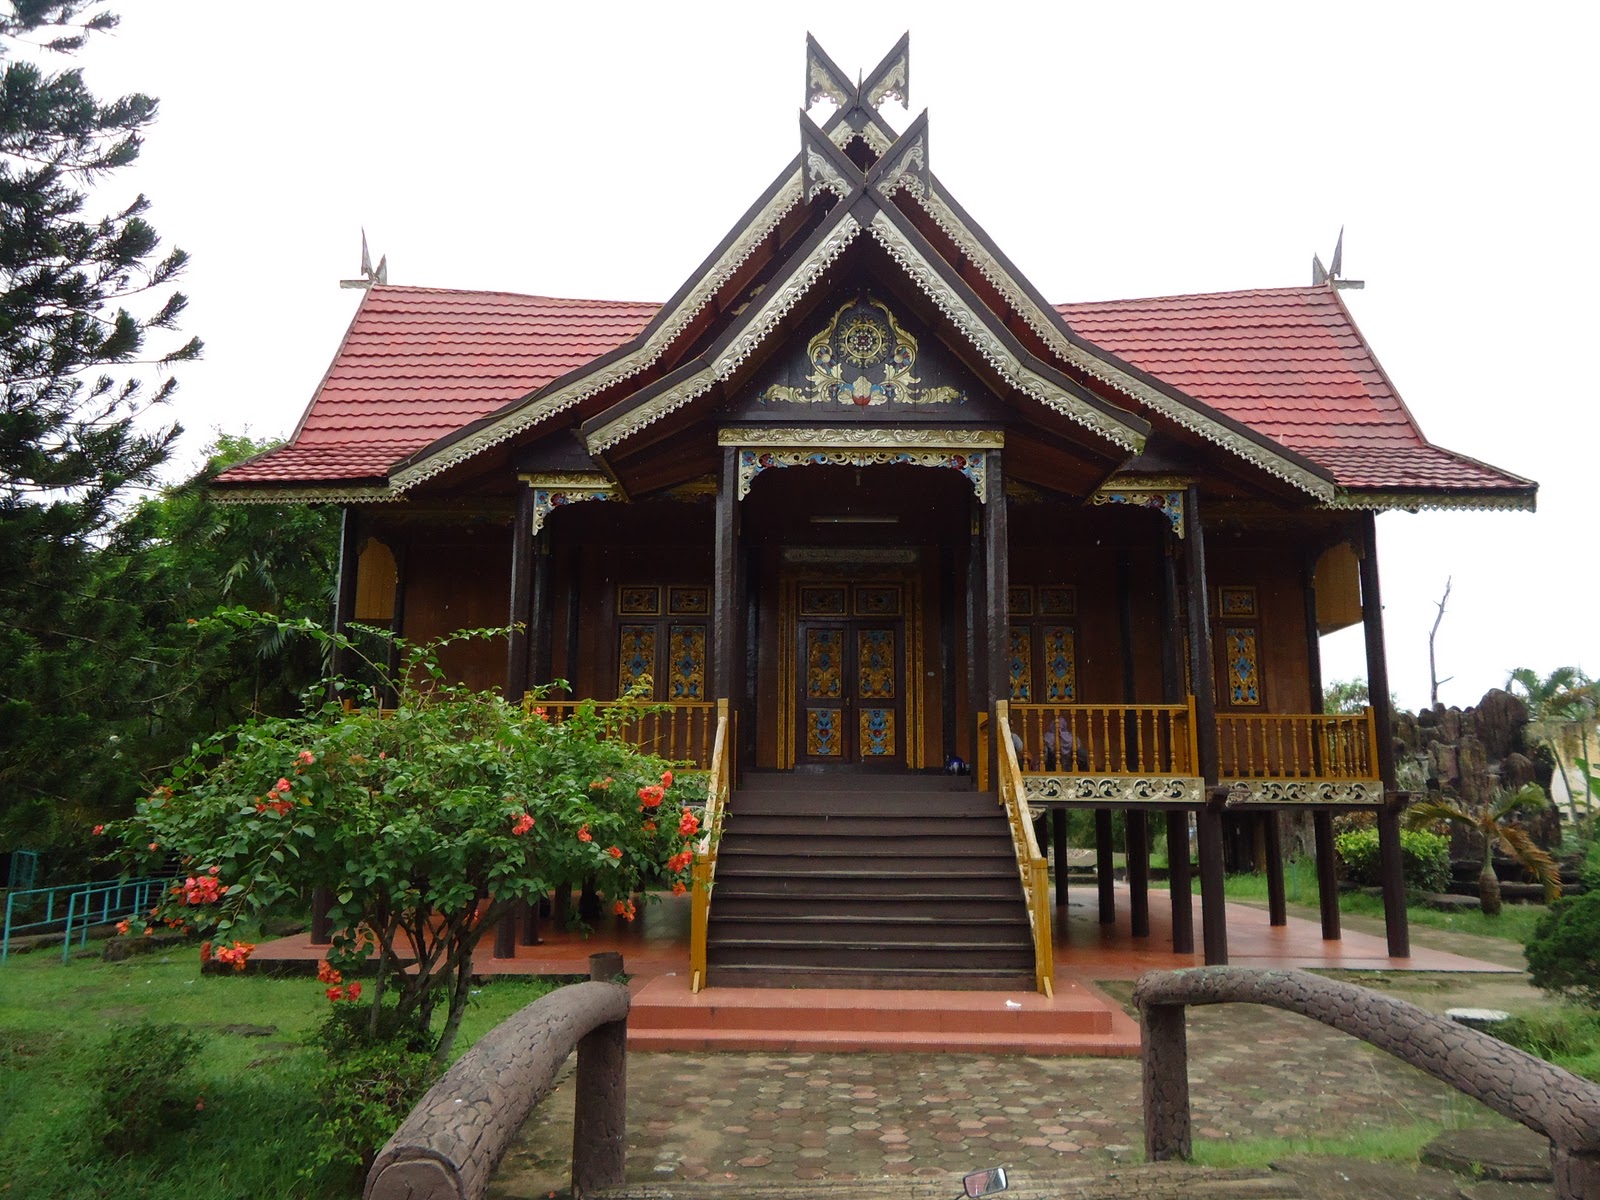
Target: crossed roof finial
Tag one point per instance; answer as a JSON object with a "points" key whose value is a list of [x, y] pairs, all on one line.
{"points": [[889, 80], [856, 116]]}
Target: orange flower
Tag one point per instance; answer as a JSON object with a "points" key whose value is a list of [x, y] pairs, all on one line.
{"points": [[624, 909], [584, 835], [679, 861], [205, 952], [334, 994], [327, 974], [614, 851], [649, 826], [666, 779], [652, 795], [99, 829], [678, 887], [353, 992], [689, 826]]}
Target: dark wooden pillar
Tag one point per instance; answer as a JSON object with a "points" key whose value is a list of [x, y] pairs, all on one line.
{"points": [[997, 595], [1136, 828], [727, 672], [1327, 873], [321, 926], [1136, 843], [1390, 862], [1313, 631], [1213, 918], [505, 933], [344, 602], [542, 650], [1058, 851], [1172, 692], [1179, 886], [1104, 847], [574, 613], [977, 680], [520, 617], [1277, 912]]}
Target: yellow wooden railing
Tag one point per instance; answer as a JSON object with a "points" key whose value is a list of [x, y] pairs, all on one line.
{"points": [[705, 855], [1031, 864], [1106, 739], [679, 732], [1297, 746]]}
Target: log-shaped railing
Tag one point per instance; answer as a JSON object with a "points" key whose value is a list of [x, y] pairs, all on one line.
{"points": [[679, 732], [1297, 745], [720, 779], [1106, 739], [1542, 1096], [450, 1144], [1031, 864]]}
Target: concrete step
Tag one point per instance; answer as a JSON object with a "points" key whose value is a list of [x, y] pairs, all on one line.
{"points": [[748, 903]]}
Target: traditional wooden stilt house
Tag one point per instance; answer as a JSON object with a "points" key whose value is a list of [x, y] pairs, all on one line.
{"points": [[857, 501]]}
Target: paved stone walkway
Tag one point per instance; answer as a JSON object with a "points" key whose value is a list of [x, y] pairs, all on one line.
{"points": [[786, 1118]]}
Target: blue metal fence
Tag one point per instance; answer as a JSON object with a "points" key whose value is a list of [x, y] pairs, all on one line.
{"points": [[71, 908]]}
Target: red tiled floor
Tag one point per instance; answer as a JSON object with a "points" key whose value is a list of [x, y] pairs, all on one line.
{"points": [[1079, 1019]]}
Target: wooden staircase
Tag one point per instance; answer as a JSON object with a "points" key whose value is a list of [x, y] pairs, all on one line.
{"points": [[866, 881]]}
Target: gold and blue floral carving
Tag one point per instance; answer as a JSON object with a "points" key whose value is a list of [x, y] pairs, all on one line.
{"points": [[971, 463], [1060, 664], [824, 669], [1244, 671], [877, 732], [875, 664], [686, 663], [822, 733], [636, 658], [822, 602], [1168, 504], [1021, 664]]}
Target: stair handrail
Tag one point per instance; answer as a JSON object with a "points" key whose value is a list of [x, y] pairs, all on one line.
{"points": [[1031, 864], [705, 855]]}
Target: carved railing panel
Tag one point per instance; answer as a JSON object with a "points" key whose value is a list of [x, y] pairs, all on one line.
{"points": [[1106, 739], [679, 732], [1297, 745]]}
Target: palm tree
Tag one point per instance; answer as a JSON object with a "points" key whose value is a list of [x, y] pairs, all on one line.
{"points": [[1494, 823], [1561, 698]]}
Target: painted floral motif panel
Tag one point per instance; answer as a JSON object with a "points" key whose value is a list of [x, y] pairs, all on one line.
{"points": [[634, 600], [822, 602], [636, 658], [875, 664], [1237, 601], [1244, 672], [1060, 664], [1020, 601], [686, 658], [688, 601], [1058, 601], [824, 665], [877, 732], [1021, 664], [822, 733], [877, 601]]}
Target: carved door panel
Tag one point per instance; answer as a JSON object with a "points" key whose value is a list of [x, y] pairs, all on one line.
{"points": [[849, 676]]}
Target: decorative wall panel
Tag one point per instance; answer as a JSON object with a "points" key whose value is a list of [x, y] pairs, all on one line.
{"points": [[1060, 664], [639, 600], [877, 601], [1058, 601], [822, 733], [877, 732], [1244, 666], [822, 602], [688, 601], [1236, 601], [824, 665], [875, 664], [686, 663], [1021, 664], [636, 657], [1020, 601]]}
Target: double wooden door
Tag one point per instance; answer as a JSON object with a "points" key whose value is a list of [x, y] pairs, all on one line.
{"points": [[850, 675]]}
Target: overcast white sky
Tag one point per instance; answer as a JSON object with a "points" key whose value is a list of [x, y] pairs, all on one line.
{"points": [[1112, 150]]}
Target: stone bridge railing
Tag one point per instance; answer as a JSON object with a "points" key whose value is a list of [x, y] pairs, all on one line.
{"points": [[1548, 1100], [449, 1146]]}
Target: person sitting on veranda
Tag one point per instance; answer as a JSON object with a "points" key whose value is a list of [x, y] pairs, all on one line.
{"points": [[1071, 756]]}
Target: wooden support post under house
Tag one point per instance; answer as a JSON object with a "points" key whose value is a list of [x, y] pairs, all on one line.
{"points": [[1327, 873], [1213, 916], [505, 933], [1136, 845], [530, 925], [1058, 851], [1104, 847], [1391, 865], [1277, 913], [1179, 891]]}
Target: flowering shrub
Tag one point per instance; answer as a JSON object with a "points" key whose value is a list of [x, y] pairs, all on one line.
{"points": [[425, 823]]}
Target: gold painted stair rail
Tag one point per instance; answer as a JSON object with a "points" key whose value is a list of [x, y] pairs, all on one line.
{"points": [[705, 855], [1031, 865]]}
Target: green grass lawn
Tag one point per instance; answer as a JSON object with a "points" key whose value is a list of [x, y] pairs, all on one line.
{"points": [[260, 1110]]}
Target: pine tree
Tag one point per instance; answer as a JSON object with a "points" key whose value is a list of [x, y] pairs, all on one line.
{"points": [[86, 314]]}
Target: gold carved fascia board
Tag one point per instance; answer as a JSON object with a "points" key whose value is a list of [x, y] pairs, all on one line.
{"points": [[1350, 793], [331, 495], [1418, 501], [758, 325], [560, 488], [1162, 493], [964, 450], [1046, 326], [1116, 789], [994, 351], [592, 383]]}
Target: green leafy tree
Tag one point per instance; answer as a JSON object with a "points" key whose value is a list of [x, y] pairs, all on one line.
{"points": [[425, 822], [1495, 823], [1345, 696], [87, 316]]}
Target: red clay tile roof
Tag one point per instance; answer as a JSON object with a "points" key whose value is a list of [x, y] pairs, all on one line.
{"points": [[1289, 363], [418, 363]]}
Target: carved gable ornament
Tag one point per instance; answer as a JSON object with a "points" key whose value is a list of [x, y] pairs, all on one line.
{"points": [[863, 357]]}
